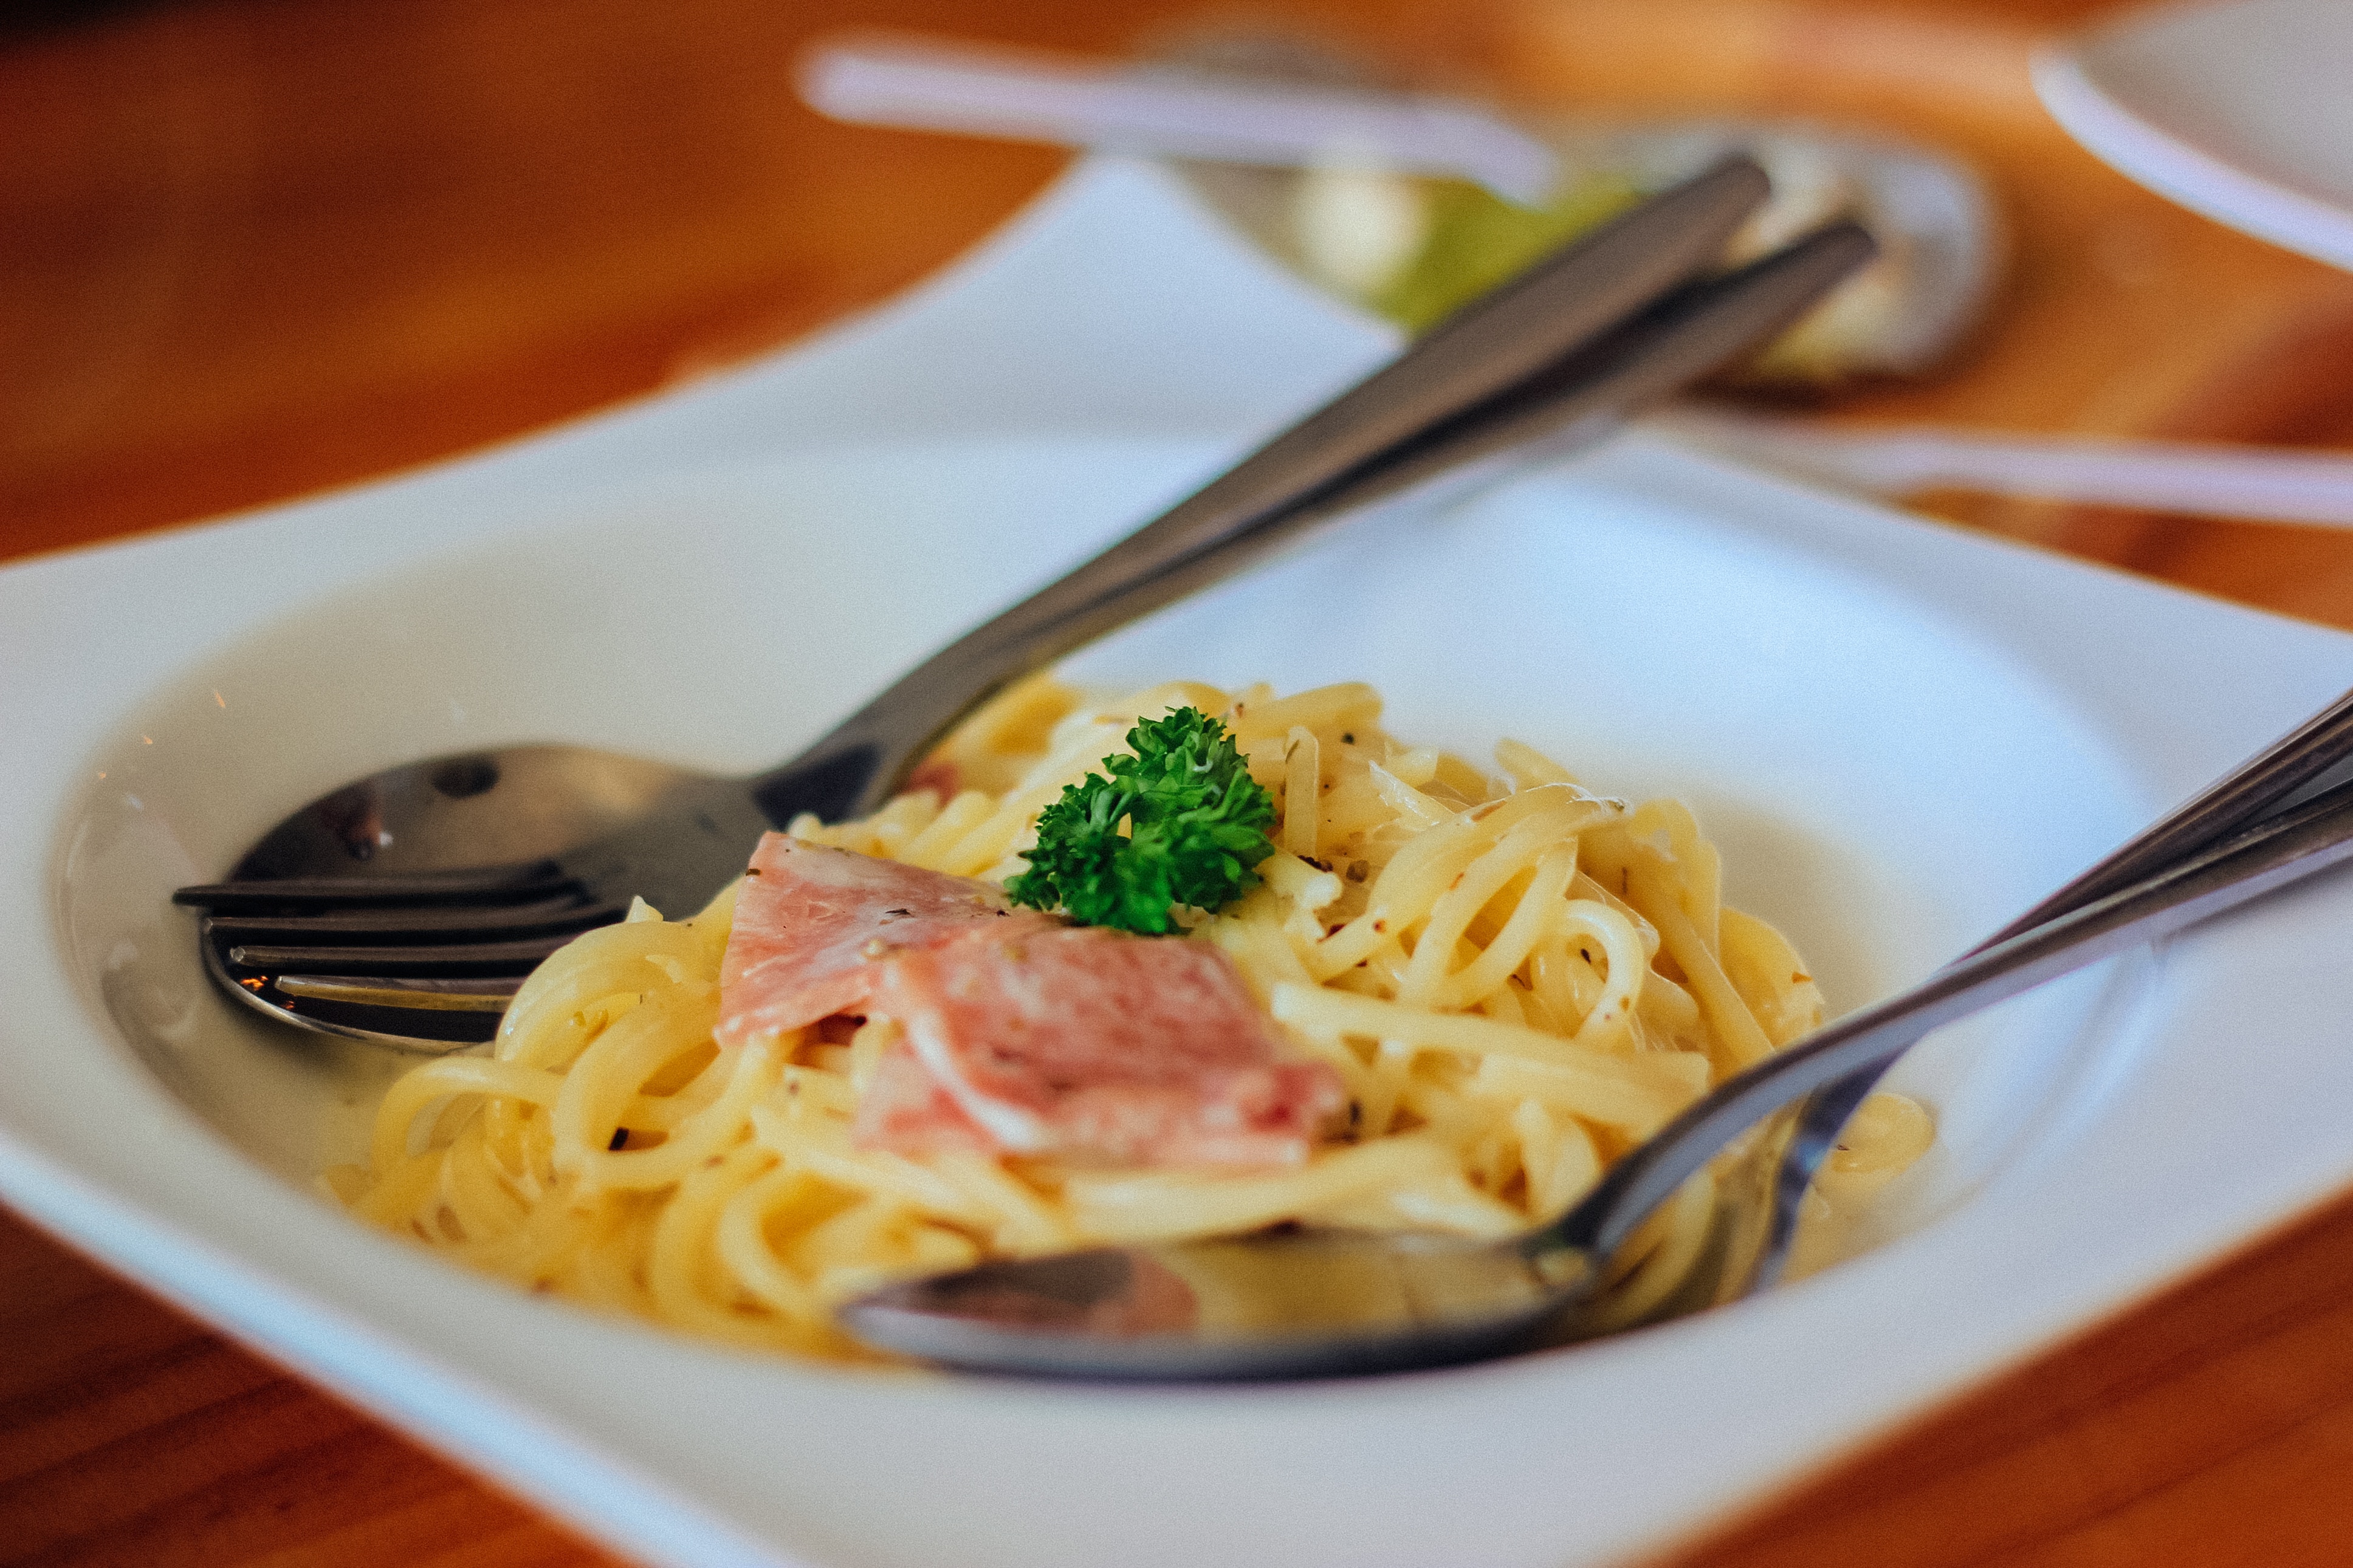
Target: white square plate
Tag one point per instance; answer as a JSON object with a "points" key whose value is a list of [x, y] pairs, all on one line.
{"points": [[1900, 734]]}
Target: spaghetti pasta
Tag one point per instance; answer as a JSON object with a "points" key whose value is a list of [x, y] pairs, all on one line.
{"points": [[1514, 980]]}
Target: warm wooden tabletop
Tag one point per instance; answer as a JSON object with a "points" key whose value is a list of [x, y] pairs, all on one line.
{"points": [[253, 247]]}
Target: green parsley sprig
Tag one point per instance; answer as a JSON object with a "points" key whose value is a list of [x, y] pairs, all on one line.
{"points": [[1194, 826]]}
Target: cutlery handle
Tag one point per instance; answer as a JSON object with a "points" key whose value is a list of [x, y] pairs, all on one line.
{"points": [[1572, 403], [2296, 844], [1564, 303], [2250, 792], [1569, 347], [2294, 763], [928, 85]]}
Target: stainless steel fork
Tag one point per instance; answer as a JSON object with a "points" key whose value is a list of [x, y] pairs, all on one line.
{"points": [[2291, 770], [407, 906]]}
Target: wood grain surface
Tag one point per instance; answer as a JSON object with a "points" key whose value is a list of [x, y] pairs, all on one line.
{"points": [[250, 249]]}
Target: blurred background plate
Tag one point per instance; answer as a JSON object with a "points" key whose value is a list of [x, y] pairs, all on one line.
{"points": [[2239, 110]]}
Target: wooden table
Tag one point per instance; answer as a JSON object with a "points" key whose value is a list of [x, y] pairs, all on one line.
{"points": [[253, 247]]}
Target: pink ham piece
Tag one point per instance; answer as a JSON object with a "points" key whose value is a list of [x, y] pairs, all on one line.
{"points": [[1094, 1044], [814, 926]]}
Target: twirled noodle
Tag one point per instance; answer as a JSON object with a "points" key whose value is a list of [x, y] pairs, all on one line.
{"points": [[1515, 981]]}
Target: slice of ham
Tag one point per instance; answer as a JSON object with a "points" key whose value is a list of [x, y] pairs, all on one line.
{"points": [[903, 1109], [1087, 1042], [1018, 1033], [814, 927]]}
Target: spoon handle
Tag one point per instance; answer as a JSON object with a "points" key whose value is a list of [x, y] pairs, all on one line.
{"points": [[1581, 337], [945, 85], [2246, 794], [1571, 401], [2296, 844], [1336, 1302]]}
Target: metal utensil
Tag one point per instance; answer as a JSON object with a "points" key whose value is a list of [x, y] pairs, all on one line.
{"points": [[1330, 1303], [2189, 479], [916, 83], [2297, 763], [1331, 172], [407, 906]]}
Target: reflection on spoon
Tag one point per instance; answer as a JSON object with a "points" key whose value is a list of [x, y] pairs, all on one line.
{"points": [[1299, 1303]]}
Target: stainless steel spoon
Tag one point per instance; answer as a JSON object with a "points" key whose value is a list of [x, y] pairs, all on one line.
{"points": [[2294, 767], [406, 907], [1333, 1303]]}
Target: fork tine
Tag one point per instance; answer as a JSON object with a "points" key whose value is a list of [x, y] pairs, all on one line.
{"points": [[538, 880], [434, 1014], [487, 994], [422, 960], [442, 958], [425, 923]]}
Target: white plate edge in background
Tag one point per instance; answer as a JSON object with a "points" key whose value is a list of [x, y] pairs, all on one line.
{"points": [[2090, 94]]}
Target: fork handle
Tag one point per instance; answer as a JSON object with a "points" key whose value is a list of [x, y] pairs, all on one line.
{"points": [[1499, 341], [2244, 795], [2286, 848], [1563, 302]]}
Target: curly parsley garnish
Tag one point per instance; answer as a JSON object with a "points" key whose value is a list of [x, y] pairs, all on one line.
{"points": [[1195, 825]]}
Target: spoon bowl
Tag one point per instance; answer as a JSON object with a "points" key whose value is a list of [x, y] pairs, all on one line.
{"points": [[1303, 1303], [1312, 1304], [507, 804]]}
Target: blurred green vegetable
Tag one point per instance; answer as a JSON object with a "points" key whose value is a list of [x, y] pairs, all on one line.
{"points": [[1476, 240]]}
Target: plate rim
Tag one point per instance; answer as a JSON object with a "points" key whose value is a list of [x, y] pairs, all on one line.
{"points": [[114, 1216]]}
